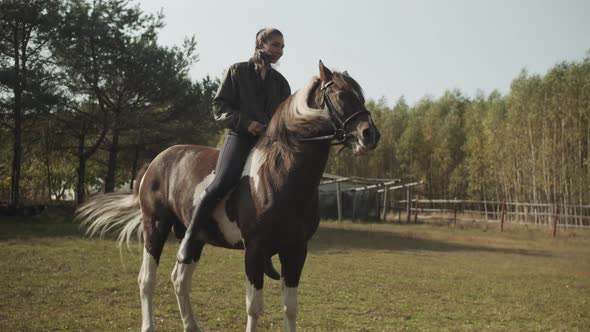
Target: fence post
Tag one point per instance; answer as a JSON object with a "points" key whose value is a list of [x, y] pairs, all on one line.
{"points": [[416, 212], [385, 203], [398, 207], [503, 211], [455, 212], [555, 217], [353, 204], [339, 200], [377, 206], [409, 205]]}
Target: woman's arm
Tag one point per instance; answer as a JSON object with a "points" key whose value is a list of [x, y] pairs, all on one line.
{"points": [[225, 102], [285, 89]]}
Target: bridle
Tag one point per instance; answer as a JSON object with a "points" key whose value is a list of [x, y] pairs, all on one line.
{"points": [[340, 135]]}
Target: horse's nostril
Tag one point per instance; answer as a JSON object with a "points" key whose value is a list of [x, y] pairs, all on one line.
{"points": [[366, 134]]}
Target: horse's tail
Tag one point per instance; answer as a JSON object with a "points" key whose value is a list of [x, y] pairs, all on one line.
{"points": [[113, 212]]}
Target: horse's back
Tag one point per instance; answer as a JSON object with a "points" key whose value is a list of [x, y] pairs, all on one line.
{"points": [[173, 178]]}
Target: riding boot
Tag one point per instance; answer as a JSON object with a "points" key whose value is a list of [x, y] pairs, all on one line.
{"points": [[190, 242]]}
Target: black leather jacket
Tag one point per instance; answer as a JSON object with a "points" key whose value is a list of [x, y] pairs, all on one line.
{"points": [[244, 97]]}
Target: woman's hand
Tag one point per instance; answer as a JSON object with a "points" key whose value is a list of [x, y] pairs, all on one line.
{"points": [[256, 128]]}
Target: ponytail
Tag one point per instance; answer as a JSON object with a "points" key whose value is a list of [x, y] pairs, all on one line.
{"points": [[262, 59]]}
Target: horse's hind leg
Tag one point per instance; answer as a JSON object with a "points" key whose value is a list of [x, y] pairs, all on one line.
{"points": [[147, 284], [181, 279], [155, 234]]}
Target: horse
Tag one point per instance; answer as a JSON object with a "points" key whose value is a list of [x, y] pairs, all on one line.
{"points": [[272, 210]]}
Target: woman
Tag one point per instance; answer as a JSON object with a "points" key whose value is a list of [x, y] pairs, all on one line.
{"points": [[246, 100]]}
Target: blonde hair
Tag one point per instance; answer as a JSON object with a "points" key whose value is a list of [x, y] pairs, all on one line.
{"points": [[260, 58]]}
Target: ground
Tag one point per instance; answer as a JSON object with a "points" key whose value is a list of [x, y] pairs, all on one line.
{"points": [[358, 277]]}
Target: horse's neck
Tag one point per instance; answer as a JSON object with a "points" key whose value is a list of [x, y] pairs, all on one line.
{"points": [[311, 157], [291, 175], [310, 163], [289, 165]]}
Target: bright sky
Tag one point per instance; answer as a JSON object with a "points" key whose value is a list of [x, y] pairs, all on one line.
{"points": [[392, 48]]}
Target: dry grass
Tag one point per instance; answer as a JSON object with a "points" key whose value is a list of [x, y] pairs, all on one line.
{"points": [[358, 277]]}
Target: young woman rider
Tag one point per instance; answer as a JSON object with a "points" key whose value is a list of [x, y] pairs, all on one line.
{"points": [[246, 100]]}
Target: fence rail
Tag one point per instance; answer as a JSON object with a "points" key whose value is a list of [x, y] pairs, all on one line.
{"points": [[521, 212], [496, 202], [381, 200]]}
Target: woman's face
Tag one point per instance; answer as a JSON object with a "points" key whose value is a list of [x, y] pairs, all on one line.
{"points": [[274, 46]]}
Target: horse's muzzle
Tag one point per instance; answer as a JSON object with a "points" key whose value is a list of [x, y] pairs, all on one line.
{"points": [[370, 137]]}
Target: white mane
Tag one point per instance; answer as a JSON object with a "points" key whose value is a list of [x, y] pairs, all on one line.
{"points": [[302, 109]]}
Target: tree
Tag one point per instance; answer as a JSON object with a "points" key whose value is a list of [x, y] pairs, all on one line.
{"points": [[86, 126], [110, 53], [25, 29], [188, 119]]}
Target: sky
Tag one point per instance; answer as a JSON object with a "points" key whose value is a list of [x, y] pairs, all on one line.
{"points": [[392, 48]]}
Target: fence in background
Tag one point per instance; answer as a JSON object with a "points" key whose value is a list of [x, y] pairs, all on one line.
{"points": [[501, 211], [387, 200]]}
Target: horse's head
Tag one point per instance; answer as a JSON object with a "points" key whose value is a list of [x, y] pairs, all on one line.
{"points": [[343, 98]]}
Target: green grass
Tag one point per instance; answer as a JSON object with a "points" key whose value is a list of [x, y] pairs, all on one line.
{"points": [[358, 277]]}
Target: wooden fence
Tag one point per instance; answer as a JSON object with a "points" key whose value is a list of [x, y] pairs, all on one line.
{"points": [[389, 200], [519, 212], [370, 201]]}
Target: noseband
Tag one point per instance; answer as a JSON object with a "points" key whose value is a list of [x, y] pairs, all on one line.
{"points": [[339, 136]]}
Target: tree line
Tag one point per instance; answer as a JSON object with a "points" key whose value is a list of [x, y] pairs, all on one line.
{"points": [[87, 95], [531, 145]]}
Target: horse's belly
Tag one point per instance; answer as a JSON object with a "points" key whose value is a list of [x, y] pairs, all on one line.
{"points": [[229, 229]]}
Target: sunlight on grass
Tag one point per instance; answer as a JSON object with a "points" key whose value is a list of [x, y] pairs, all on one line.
{"points": [[358, 277]]}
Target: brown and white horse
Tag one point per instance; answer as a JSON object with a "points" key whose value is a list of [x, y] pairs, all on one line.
{"points": [[273, 209]]}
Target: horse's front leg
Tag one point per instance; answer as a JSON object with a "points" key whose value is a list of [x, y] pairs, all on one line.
{"points": [[291, 266], [254, 283]]}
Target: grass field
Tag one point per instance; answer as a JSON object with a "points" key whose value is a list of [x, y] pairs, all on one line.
{"points": [[358, 277]]}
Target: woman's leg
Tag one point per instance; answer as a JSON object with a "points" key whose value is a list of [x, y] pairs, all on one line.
{"points": [[230, 164]]}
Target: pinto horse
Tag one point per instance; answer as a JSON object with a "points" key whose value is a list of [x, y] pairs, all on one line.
{"points": [[272, 210]]}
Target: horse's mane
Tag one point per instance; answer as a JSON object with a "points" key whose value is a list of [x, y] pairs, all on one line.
{"points": [[295, 119]]}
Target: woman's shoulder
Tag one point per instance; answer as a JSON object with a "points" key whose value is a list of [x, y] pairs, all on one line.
{"points": [[279, 77], [239, 66]]}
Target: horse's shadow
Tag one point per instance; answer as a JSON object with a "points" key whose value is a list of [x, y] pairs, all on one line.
{"points": [[326, 240], [329, 239]]}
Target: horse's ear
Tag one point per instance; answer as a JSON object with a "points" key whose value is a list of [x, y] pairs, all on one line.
{"points": [[325, 73]]}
